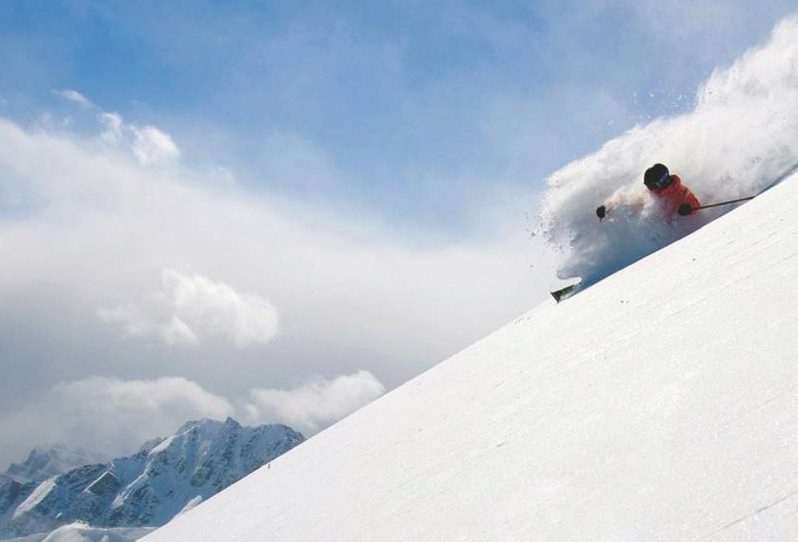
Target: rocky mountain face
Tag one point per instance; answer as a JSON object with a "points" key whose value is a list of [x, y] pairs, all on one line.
{"points": [[146, 489]]}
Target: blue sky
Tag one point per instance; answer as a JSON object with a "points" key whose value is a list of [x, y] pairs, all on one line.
{"points": [[413, 110], [280, 210]]}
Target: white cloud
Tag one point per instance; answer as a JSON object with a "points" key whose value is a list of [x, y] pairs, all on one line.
{"points": [[74, 96], [150, 145], [113, 133], [153, 146], [316, 404], [108, 415], [112, 416], [190, 309]]}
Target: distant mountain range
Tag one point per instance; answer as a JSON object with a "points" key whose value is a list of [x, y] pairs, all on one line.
{"points": [[57, 486]]}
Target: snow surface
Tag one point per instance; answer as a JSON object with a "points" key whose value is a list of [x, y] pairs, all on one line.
{"points": [[79, 532], [659, 404], [740, 137]]}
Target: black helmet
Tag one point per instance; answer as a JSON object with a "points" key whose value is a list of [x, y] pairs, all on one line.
{"points": [[656, 176]]}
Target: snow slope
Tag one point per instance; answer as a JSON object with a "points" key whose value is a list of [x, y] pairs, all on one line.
{"points": [[660, 404], [79, 532]]}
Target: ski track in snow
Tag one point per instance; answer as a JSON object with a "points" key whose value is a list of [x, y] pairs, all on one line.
{"points": [[755, 513]]}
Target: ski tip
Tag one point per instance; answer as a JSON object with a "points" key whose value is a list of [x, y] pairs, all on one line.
{"points": [[565, 292]]}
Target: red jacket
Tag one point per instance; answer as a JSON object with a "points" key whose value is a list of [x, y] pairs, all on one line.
{"points": [[674, 195]]}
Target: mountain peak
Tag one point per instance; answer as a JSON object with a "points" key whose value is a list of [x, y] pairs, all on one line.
{"points": [[208, 424], [192, 424], [230, 422]]}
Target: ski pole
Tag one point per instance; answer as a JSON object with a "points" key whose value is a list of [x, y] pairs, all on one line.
{"points": [[723, 203]]}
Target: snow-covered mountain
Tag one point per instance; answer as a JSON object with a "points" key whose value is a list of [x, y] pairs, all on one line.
{"points": [[47, 461], [659, 404], [146, 489], [44, 462]]}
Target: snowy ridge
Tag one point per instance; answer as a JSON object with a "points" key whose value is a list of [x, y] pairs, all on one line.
{"points": [[659, 404], [49, 461], [148, 488], [79, 532]]}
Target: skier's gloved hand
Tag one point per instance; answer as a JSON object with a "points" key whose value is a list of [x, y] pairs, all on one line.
{"points": [[601, 212], [685, 209]]}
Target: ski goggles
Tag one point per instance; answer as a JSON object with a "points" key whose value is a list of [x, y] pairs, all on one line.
{"points": [[663, 181]]}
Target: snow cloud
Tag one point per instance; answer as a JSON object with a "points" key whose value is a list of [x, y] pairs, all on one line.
{"points": [[190, 309], [737, 140], [315, 404]]}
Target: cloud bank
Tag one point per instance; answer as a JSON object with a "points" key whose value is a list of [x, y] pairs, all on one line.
{"points": [[115, 416], [187, 310], [107, 414], [317, 403]]}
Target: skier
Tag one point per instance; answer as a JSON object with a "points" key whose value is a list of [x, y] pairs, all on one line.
{"points": [[668, 189]]}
